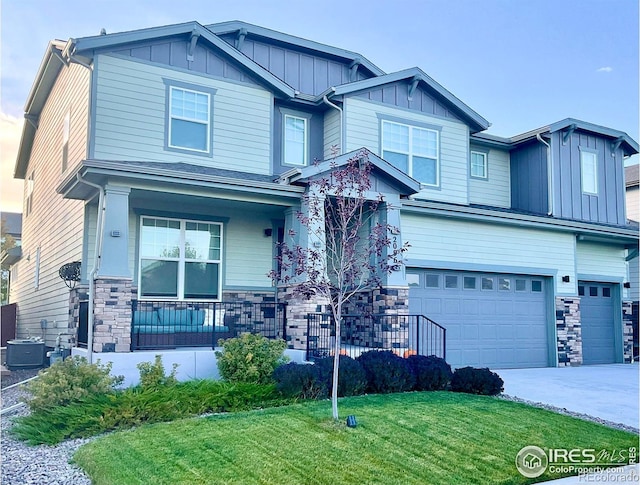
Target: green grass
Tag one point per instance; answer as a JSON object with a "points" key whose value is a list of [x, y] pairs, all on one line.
{"points": [[421, 438]]}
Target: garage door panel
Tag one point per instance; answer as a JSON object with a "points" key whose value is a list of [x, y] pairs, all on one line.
{"points": [[597, 322], [489, 326]]}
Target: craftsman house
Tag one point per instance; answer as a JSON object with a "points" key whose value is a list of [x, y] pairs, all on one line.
{"points": [[169, 162]]}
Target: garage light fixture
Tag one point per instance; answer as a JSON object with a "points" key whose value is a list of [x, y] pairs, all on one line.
{"points": [[566, 279], [626, 284]]}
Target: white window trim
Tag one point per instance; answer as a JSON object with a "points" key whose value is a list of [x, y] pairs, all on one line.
{"points": [[410, 153], [66, 126], [29, 198], [191, 120], [583, 154], [305, 148], [36, 272], [485, 165], [181, 261]]}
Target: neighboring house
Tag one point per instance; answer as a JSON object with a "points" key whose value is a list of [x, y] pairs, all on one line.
{"points": [[171, 160], [632, 184], [12, 227]]}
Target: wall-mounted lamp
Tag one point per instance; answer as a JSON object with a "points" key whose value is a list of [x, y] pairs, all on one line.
{"points": [[268, 232], [566, 279], [626, 284]]}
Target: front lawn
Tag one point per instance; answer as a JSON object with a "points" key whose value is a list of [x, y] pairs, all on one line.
{"points": [[421, 438]]}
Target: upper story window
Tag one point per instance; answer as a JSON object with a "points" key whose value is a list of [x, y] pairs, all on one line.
{"points": [[180, 259], [188, 118], [295, 140], [28, 203], [589, 171], [479, 168], [65, 141], [412, 149]]}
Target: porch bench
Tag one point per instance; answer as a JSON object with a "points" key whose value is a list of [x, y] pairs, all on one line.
{"points": [[168, 327]]}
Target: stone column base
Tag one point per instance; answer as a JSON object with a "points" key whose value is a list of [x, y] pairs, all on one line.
{"points": [[112, 315], [569, 331]]}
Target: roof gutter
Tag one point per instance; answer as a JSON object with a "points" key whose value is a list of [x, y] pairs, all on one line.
{"points": [[333, 105], [549, 176]]}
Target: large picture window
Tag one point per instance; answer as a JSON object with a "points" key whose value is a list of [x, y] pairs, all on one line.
{"points": [[180, 259], [413, 150]]}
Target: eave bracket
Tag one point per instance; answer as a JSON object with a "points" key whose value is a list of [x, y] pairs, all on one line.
{"points": [[193, 40], [412, 88], [567, 134]]}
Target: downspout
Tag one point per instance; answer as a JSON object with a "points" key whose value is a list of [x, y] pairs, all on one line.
{"points": [[549, 176], [333, 105], [96, 262]]}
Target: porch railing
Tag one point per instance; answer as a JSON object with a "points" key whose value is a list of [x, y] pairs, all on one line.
{"points": [[167, 325], [402, 334]]}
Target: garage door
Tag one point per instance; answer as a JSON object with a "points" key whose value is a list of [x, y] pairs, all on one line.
{"points": [[492, 320], [596, 315]]}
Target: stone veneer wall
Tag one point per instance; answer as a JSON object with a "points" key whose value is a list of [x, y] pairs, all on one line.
{"points": [[298, 308], [385, 332], [77, 295], [112, 315], [628, 318], [569, 331]]}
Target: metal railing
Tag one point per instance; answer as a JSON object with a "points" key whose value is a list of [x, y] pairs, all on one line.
{"points": [[168, 325], [402, 334]]}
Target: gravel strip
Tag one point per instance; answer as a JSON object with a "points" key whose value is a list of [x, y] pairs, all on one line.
{"points": [[586, 417], [34, 465]]}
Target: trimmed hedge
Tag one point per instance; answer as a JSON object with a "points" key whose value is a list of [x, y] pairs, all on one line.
{"points": [[476, 381], [386, 372], [431, 373], [299, 381], [352, 379]]}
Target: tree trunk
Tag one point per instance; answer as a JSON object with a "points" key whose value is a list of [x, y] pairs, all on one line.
{"points": [[336, 365]]}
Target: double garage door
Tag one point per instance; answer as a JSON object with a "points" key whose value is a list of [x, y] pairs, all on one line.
{"points": [[492, 320]]}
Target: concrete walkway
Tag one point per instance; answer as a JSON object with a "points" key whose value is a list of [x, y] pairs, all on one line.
{"points": [[605, 391]]}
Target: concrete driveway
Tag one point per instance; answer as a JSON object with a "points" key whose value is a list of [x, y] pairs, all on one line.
{"points": [[605, 391]]}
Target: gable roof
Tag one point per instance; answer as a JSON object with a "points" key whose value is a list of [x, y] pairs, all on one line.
{"points": [[193, 28], [476, 122], [406, 184], [629, 145], [293, 41], [632, 175]]}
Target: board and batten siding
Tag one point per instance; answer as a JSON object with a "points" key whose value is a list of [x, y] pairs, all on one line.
{"points": [[608, 205], [332, 128], [601, 259], [130, 117], [496, 189], [363, 130], [490, 245], [54, 224]]}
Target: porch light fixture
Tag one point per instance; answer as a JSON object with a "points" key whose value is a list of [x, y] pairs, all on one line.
{"points": [[626, 284], [268, 232], [566, 279]]}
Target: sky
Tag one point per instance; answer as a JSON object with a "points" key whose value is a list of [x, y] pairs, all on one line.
{"points": [[521, 64]]}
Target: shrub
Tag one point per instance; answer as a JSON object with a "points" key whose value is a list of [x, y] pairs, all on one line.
{"points": [[134, 406], [476, 381], [70, 380], [250, 358], [431, 373], [152, 375], [386, 372], [299, 381], [352, 379]]}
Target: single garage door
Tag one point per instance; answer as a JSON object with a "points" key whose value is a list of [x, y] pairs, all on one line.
{"points": [[596, 315], [492, 320]]}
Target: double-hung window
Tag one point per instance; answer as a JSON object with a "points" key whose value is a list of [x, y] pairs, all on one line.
{"points": [[189, 120], [295, 140], [180, 259], [478, 165], [412, 149], [589, 172]]}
